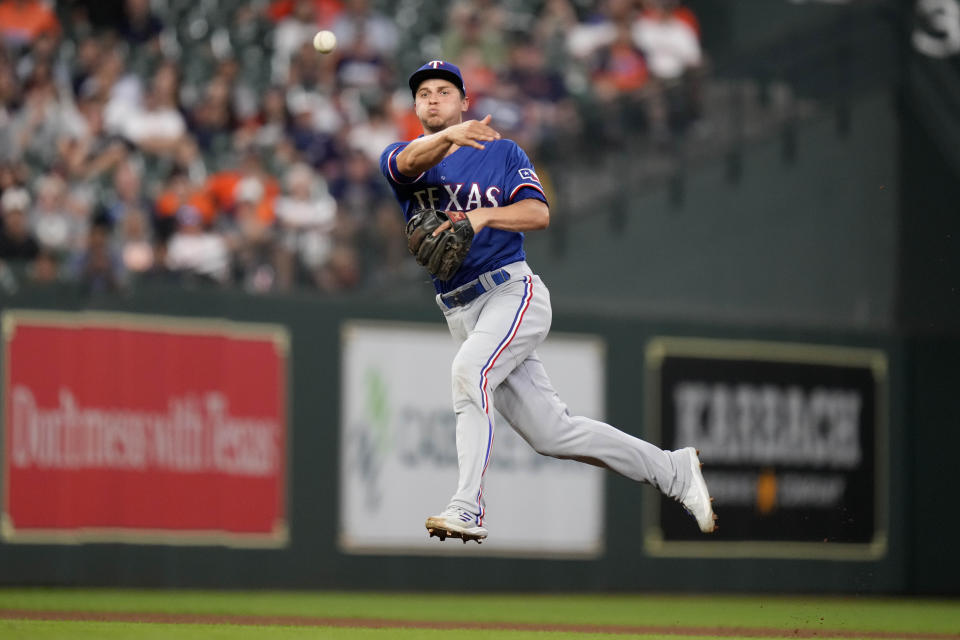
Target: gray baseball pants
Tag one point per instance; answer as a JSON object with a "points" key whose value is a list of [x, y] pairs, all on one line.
{"points": [[497, 366]]}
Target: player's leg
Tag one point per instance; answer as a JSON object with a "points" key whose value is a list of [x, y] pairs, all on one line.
{"points": [[506, 327], [528, 401]]}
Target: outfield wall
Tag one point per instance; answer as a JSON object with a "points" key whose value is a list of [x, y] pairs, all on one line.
{"points": [[639, 543]]}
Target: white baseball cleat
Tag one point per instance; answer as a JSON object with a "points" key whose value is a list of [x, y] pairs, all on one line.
{"points": [[696, 499], [456, 523]]}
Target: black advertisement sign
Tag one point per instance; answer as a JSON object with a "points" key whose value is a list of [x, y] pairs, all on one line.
{"points": [[791, 437]]}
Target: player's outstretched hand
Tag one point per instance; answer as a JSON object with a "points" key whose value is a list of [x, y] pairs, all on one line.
{"points": [[473, 133]]}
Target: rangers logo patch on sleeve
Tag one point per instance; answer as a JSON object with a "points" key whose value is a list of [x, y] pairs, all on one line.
{"points": [[528, 174]]}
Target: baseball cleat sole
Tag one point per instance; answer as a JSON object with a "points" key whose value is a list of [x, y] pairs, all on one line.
{"points": [[437, 527]]}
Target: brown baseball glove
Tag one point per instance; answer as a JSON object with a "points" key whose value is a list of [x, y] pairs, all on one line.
{"points": [[441, 254]]}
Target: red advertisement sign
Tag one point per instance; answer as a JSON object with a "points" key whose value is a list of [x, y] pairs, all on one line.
{"points": [[143, 428]]}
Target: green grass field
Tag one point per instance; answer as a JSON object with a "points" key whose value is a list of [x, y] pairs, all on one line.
{"points": [[208, 615]]}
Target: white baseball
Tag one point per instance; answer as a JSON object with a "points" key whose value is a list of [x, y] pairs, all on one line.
{"points": [[324, 41]]}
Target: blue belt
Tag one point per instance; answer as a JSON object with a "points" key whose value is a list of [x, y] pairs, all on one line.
{"points": [[472, 290]]}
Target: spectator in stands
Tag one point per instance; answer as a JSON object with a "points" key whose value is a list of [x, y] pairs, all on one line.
{"points": [[359, 189], [250, 34], [621, 68], [527, 68], [327, 11], [250, 237], [248, 183], [669, 36], [127, 198], [481, 77], [243, 93], [404, 117], [478, 26], [99, 269], [44, 117], [270, 127], [557, 18], [359, 21], [105, 91], [311, 116], [188, 159], [9, 99], [212, 121], [292, 31], [44, 269], [43, 51], [312, 72], [362, 71], [13, 175], [507, 104], [83, 65], [195, 252], [139, 26], [177, 192], [56, 230], [549, 111], [343, 271], [598, 29], [156, 125], [85, 16], [619, 81], [86, 151], [81, 203], [109, 82], [385, 245], [16, 240], [23, 21], [376, 132], [134, 241], [306, 218]]}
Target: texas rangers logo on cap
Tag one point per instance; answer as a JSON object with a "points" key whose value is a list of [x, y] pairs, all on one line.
{"points": [[437, 69]]}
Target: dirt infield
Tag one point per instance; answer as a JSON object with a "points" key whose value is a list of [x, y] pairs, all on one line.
{"points": [[379, 623]]}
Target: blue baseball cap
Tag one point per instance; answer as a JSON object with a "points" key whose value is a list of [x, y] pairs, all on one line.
{"points": [[437, 69]]}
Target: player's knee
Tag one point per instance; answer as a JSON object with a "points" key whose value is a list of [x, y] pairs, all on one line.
{"points": [[465, 378], [541, 439], [547, 447], [556, 442]]}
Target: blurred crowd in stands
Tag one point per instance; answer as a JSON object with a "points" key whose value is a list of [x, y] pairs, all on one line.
{"points": [[206, 141]]}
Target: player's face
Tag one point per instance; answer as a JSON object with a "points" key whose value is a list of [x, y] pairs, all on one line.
{"points": [[439, 104]]}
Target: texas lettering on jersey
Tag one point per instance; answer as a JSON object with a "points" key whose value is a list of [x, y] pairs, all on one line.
{"points": [[467, 179], [458, 197]]}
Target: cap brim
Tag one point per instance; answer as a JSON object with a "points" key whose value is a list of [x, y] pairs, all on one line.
{"points": [[443, 74]]}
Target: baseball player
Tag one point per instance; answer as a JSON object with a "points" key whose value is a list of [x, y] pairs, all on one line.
{"points": [[499, 311]]}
